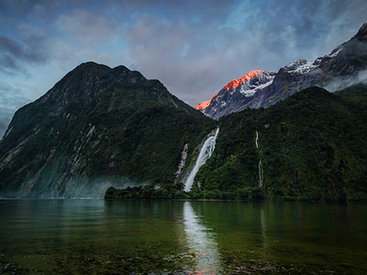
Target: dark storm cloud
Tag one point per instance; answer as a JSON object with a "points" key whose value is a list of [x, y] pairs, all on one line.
{"points": [[193, 47], [13, 54]]}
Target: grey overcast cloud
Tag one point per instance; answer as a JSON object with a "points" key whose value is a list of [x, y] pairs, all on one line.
{"points": [[193, 47]]}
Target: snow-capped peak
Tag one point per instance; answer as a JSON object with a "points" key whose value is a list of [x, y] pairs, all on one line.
{"points": [[301, 66], [237, 82], [205, 103], [253, 85], [247, 85]]}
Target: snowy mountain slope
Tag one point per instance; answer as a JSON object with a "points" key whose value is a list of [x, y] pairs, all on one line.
{"points": [[344, 66], [236, 93]]}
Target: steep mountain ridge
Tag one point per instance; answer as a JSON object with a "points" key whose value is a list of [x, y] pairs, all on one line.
{"points": [[95, 128], [311, 146], [344, 66]]}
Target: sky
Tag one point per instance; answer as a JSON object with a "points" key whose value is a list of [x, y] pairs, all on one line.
{"points": [[193, 47]]}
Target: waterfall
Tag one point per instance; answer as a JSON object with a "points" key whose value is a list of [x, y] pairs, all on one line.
{"points": [[205, 153], [182, 162], [260, 169]]}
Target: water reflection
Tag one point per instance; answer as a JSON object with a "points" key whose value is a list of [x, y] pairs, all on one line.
{"points": [[201, 243], [263, 228], [174, 237]]}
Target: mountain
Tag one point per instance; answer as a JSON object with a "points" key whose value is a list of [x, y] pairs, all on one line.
{"points": [[9, 103], [2, 128], [100, 127], [311, 146], [95, 128], [344, 66], [236, 93]]}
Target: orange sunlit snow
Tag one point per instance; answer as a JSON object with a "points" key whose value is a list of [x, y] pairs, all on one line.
{"points": [[206, 103], [230, 86]]}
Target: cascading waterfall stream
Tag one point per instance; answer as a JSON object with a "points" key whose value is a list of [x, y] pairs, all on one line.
{"points": [[205, 153], [260, 169]]}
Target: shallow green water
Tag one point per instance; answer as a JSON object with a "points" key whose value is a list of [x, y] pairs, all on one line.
{"points": [[119, 237]]}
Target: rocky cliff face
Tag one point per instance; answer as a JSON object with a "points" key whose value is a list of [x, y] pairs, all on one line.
{"points": [[344, 66], [95, 128]]}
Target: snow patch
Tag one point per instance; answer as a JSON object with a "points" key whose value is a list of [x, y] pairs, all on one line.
{"points": [[301, 66], [251, 92], [251, 86]]}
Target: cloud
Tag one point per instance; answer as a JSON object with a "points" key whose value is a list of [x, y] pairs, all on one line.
{"points": [[31, 49], [339, 83], [197, 55], [3, 127], [193, 47], [87, 28], [299, 28], [173, 53], [191, 59], [10, 101]]}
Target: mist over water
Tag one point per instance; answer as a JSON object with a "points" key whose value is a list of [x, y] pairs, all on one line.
{"points": [[79, 188], [96, 189]]}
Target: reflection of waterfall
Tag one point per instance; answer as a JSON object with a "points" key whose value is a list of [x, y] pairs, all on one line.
{"points": [[264, 212], [205, 153], [200, 243], [260, 168], [263, 226]]}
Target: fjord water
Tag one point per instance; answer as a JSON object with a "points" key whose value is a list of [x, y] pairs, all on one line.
{"points": [[110, 237]]}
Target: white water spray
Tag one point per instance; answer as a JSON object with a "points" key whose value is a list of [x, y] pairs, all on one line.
{"points": [[205, 153]]}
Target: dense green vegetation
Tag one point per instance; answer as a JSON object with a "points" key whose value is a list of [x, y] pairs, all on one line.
{"points": [[312, 145], [98, 126]]}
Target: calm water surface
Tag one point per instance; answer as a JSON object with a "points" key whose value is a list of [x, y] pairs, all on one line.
{"points": [[119, 237]]}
